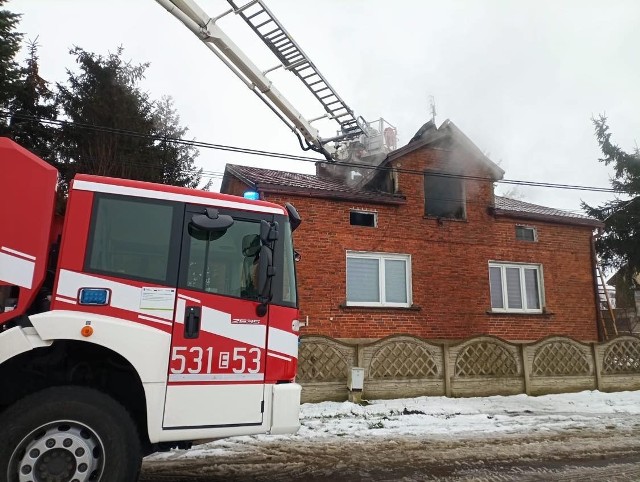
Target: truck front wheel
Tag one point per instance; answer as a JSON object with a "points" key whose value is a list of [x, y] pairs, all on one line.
{"points": [[68, 434]]}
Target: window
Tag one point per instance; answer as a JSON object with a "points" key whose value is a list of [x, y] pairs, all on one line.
{"points": [[378, 279], [224, 264], [132, 238], [516, 287], [444, 197], [363, 218], [526, 233]]}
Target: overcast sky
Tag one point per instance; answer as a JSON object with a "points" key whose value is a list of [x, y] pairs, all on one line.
{"points": [[521, 78]]}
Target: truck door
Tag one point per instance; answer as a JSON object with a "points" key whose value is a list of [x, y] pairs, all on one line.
{"points": [[218, 350]]}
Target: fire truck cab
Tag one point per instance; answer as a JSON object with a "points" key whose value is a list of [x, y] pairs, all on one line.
{"points": [[150, 316]]}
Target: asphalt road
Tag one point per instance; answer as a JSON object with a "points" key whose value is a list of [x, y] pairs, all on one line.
{"points": [[606, 454]]}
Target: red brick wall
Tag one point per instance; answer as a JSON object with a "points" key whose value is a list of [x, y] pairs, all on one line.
{"points": [[450, 275]]}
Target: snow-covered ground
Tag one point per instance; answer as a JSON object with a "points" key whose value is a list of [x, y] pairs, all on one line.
{"points": [[443, 418]]}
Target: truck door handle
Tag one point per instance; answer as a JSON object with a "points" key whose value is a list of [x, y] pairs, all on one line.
{"points": [[192, 321]]}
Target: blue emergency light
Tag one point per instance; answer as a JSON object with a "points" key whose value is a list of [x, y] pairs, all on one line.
{"points": [[93, 296], [253, 195]]}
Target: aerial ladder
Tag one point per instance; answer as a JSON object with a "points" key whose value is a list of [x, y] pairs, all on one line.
{"points": [[355, 138]]}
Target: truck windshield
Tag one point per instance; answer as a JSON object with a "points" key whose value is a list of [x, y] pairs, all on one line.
{"points": [[227, 263]]}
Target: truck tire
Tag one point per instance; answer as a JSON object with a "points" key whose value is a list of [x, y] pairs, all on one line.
{"points": [[68, 434]]}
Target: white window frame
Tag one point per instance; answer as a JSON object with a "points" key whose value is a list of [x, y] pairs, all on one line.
{"points": [[533, 228], [505, 302], [381, 278]]}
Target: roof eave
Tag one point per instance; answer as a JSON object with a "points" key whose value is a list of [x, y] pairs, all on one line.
{"points": [[324, 194], [593, 223], [238, 175]]}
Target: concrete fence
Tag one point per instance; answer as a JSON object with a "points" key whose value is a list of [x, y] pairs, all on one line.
{"points": [[406, 366]]}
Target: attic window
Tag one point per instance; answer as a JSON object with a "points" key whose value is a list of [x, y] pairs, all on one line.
{"points": [[526, 233], [444, 196], [363, 218]]}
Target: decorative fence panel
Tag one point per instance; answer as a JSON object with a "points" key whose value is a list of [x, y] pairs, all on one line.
{"points": [[323, 365], [619, 364], [406, 366], [403, 364]]}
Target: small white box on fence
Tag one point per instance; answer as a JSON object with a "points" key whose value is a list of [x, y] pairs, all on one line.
{"points": [[355, 378]]}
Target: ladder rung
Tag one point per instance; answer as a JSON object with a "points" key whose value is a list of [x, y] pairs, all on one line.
{"points": [[290, 57], [263, 23], [282, 42], [266, 35], [295, 64], [246, 5], [327, 96], [277, 39], [290, 47], [334, 102], [255, 14], [278, 33], [317, 82], [296, 58], [308, 76]]}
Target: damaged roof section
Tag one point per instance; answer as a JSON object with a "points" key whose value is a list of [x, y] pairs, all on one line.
{"points": [[368, 173], [450, 137], [522, 210], [268, 180]]}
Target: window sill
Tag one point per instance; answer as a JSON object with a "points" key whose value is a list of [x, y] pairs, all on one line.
{"points": [[541, 314], [344, 306]]}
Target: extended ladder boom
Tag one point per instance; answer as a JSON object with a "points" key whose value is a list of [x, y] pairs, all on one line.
{"points": [[355, 140], [284, 47], [204, 27]]}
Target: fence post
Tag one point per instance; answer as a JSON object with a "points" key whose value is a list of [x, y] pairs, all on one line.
{"points": [[446, 369], [359, 355], [597, 366], [525, 369]]}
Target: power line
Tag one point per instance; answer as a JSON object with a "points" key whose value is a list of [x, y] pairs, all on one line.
{"points": [[246, 150]]}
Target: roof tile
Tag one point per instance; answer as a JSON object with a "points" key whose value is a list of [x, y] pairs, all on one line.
{"points": [[506, 205], [258, 176]]}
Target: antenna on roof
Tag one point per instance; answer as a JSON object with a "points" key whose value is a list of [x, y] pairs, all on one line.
{"points": [[432, 108]]}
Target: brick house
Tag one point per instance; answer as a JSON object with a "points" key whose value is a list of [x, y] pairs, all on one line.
{"points": [[420, 245]]}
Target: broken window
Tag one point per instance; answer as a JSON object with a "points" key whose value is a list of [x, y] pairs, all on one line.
{"points": [[363, 218], [444, 196]]}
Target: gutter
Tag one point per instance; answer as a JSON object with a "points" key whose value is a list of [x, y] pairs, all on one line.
{"points": [[594, 267], [549, 218]]}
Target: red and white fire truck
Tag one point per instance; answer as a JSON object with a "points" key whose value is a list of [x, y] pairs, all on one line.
{"points": [[152, 314]]}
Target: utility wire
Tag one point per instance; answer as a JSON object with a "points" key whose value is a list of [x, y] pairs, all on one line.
{"points": [[245, 150]]}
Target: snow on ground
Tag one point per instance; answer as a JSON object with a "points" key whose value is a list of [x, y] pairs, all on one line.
{"points": [[441, 417]]}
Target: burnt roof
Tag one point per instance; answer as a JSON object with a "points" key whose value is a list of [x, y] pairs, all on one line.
{"points": [[273, 181], [451, 135], [514, 208]]}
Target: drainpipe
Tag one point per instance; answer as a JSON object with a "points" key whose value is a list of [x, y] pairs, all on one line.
{"points": [[594, 267]]}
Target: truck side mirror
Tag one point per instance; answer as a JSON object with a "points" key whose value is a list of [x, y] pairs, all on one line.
{"points": [[266, 271], [268, 232], [294, 217]]}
